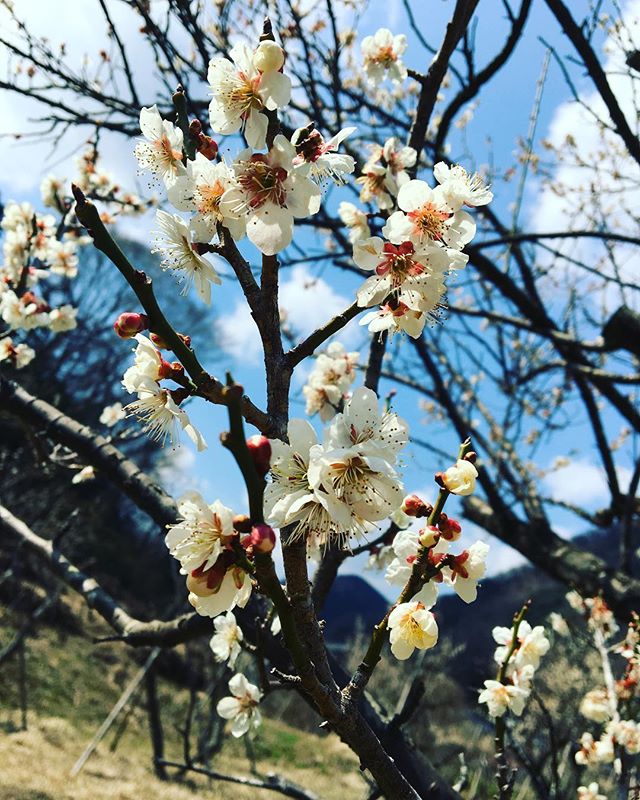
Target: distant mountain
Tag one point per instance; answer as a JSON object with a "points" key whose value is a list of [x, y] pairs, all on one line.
{"points": [[353, 605]]}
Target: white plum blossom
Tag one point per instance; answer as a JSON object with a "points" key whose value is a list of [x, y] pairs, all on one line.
{"points": [[461, 478], [148, 364], [112, 414], [590, 792], [355, 220], [413, 278], [381, 53], [319, 158], [242, 706], [200, 191], [203, 532], [18, 355], [289, 497], [160, 152], [226, 641], [405, 549], [52, 191], [559, 624], [398, 159], [63, 319], [460, 188], [501, 698], [362, 425], [626, 732], [375, 186], [532, 644], [23, 312], [470, 567], [329, 381], [595, 751], [426, 217], [596, 705], [411, 626], [241, 91], [395, 319], [160, 415], [230, 588], [175, 243], [61, 258], [269, 193]]}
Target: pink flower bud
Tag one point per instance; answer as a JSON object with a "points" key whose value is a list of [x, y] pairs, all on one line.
{"points": [[413, 506], [158, 341], [130, 323], [450, 528], [208, 147], [263, 538], [260, 449]]}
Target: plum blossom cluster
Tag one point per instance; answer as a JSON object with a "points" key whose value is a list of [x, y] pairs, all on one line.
{"points": [[612, 707], [344, 486], [34, 252], [157, 407], [329, 381], [215, 548], [412, 624], [518, 655], [41, 250], [422, 240]]}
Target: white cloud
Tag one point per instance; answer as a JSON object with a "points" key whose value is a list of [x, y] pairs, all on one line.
{"points": [[583, 483], [561, 204], [308, 303]]}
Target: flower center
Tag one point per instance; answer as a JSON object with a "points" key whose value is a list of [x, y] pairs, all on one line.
{"points": [[429, 221], [263, 182], [166, 153], [385, 56], [398, 263], [207, 197], [244, 94]]}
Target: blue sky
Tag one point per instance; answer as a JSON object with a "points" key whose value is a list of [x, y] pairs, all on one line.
{"points": [[500, 118]]}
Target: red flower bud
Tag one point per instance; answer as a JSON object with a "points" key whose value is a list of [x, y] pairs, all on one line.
{"points": [[195, 128], [158, 341], [413, 506], [260, 449], [208, 147], [129, 323], [263, 538], [450, 528]]}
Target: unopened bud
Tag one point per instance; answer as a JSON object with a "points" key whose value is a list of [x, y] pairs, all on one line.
{"points": [[195, 128], [263, 538], [269, 57], [413, 506], [471, 456], [260, 450], [450, 528], [158, 341], [429, 536], [130, 323], [207, 146]]}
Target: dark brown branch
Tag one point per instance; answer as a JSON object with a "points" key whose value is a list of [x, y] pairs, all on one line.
{"points": [[92, 448]]}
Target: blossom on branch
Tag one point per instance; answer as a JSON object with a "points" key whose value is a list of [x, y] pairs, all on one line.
{"points": [[227, 639], [175, 243], [319, 158], [242, 90], [461, 478], [202, 534], [355, 220], [18, 355], [160, 152], [329, 381], [411, 626], [242, 706], [268, 194], [381, 53]]}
